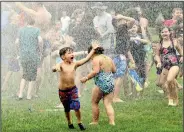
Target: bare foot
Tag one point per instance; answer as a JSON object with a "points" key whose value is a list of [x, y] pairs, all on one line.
{"points": [[93, 123], [172, 103], [113, 124], [117, 100]]}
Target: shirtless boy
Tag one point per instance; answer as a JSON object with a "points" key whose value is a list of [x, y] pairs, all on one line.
{"points": [[68, 92]]}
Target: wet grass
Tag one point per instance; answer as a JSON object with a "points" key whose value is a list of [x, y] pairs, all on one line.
{"points": [[150, 114]]}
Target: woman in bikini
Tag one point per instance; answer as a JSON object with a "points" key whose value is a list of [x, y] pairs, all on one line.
{"points": [[103, 69], [168, 61]]}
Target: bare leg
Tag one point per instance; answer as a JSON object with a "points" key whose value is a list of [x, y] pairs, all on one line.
{"points": [[117, 90], [68, 117], [30, 88], [96, 97], [22, 86], [172, 89], [38, 81], [148, 67], [158, 80], [78, 115], [162, 80], [134, 92], [126, 84], [8, 75], [109, 109]]}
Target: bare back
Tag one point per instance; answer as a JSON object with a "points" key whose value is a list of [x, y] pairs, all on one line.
{"points": [[106, 63]]}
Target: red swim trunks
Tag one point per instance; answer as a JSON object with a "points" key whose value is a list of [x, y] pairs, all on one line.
{"points": [[70, 99]]}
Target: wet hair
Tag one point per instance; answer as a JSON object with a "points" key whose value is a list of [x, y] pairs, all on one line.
{"points": [[98, 50], [64, 50], [139, 31], [170, 36]]}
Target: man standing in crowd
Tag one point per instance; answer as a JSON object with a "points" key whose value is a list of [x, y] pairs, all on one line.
{"points": [[103, 25], [65, 21]]}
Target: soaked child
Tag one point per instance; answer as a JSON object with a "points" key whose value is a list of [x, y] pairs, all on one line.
{"points": [[169, 62], [103, 69], [58, 60], [68, 92]]}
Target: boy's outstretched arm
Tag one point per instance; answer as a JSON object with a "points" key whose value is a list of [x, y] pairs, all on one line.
{"points": [[83, 61], [80, 53]]}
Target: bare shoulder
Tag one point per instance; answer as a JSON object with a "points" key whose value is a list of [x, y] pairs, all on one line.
{"points": [[96, 58], [109, 58]]}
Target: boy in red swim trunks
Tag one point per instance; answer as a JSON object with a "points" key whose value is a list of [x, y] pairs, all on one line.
{"points": [[68, 92]]}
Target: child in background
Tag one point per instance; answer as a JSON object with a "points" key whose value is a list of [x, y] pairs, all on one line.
{"points": [[30, 43]]}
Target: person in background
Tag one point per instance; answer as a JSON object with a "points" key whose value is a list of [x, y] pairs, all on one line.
{"points": [[30, 46], [123, 55], [42, 19], [137, 50], [103, 25], [65, 22], [11, 33]]}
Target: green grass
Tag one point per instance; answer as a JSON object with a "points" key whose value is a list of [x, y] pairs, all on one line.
{"points": [[150, 114]]}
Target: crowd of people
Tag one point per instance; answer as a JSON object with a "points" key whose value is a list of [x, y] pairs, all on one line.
{"points": [[114, 43]]}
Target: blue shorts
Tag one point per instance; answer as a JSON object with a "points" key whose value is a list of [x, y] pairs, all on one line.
{"points": [[121, 66], [70, 99]]}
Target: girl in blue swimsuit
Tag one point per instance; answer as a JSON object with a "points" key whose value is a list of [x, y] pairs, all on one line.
{"points": [[103, 69]]}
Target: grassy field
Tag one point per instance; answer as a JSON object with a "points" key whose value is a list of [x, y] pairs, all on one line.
{"points": [[150, 114]]}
